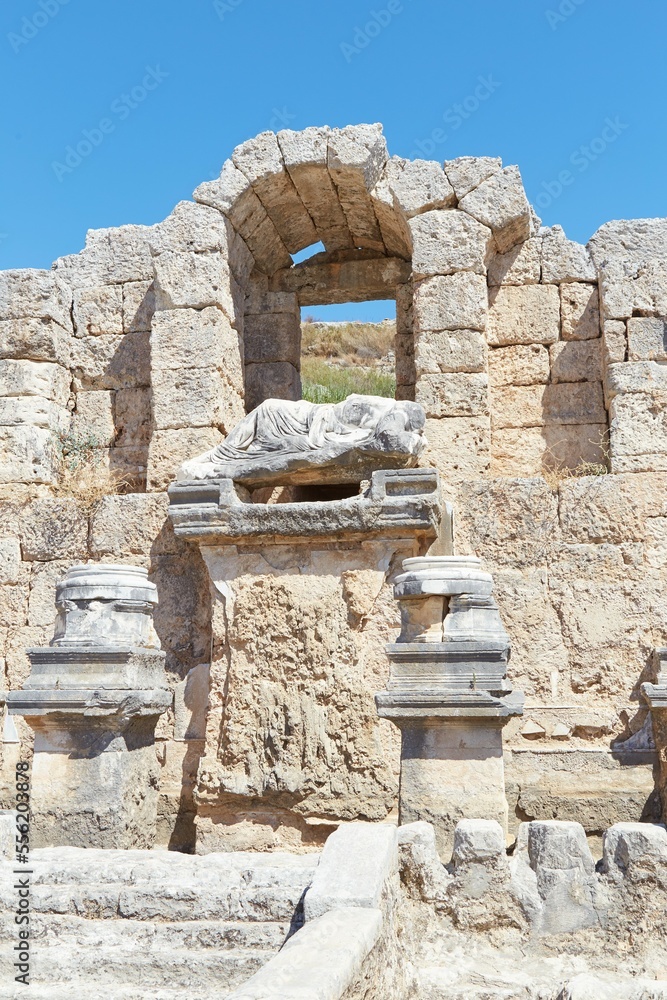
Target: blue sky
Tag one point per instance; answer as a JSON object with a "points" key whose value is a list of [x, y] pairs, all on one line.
{"points": [[553, 85]]}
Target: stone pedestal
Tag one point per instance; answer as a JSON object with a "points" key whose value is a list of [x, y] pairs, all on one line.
{"points": [[655, 695], [448, 694], [93, 699]]}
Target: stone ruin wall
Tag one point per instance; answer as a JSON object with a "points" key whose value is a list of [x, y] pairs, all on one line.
{"points": [[522, 346]]}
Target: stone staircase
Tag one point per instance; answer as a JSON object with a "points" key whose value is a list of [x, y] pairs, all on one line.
{"points": [[151, 925]]}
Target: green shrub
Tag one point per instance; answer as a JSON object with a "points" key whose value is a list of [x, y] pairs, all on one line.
{"points": [[326, 383]]}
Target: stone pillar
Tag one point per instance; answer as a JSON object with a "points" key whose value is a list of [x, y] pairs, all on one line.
{"points": [[93, 699], [655, 695], [448, 693]]}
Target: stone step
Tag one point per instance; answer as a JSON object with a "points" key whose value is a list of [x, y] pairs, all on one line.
{"points": [[72, 932], [211, 970], [169, 903]]}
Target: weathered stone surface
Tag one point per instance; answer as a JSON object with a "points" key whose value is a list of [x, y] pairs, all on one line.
{"points": [[26, 454], [36, 339], [564, 260], [647, 339], [356, 156], [133, 524], [519, 266], [53, 529], [191, 227], [614, 342], [193, 280], [34, 293], [357, 862], [192, 338], [452, 302], [33, 378], [566, 403], [112, 362], [194, 397], [524, 315], [392, 222], [138, 305], [170, 448], [453, 395], [636, 376], [98, 310], [10, 560], [500, 203], [273, 380], [349, 281], [478, 840], [437, 351], [272, 337], [580, 312], [302, 442], [111, 256], [522, 364], [419, 185], [625, 845], [576, 361], [94, 418], [468, 172], [445, 242], [459, 447], [638, 432], [630, 257]]}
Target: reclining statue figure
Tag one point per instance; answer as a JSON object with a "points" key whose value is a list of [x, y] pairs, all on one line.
{"points": [[300, 442]]}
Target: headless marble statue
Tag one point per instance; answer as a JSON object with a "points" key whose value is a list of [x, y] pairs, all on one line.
{"points": [[290, 441]]}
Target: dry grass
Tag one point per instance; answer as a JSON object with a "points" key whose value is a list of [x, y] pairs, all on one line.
{"points": [[82, 472], [554, 471], [322, 382], [357, 343]]}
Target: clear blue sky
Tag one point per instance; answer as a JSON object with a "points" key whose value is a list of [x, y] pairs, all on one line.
{"points": [[220, 72]]}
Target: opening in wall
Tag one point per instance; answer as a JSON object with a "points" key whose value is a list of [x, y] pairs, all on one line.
{"points": [[348, 348]]}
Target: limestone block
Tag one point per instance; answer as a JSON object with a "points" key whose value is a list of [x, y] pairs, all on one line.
{"points": [[614, 342], [579, 311], [451, 302], [110, 257], [41, 602], [393, 224], [266, 246], [404, 353], [356, 156], [404, 309], [35, 411], [357, 862], [260, 159], [563, 403], [500, 202], [631, 257], [112, 362], [193, 280], [445, 242], [98, 310], [517, 451], [576, 361], [259, 301], [564, 867], [93, 419], [520, 364], [36, 339], [138, 306], [274, 380], [26, 454], [133, 524], [468, 172], [478, 840], [519, 266], [193, 397], [10, 560], [647, 339], [626, 845], [35, 378], [617, 509], [191, 227], [53, 529], [638, 432], [453, 395], [272, 337], [191, 704], [636, 376], [564, 260], [305, 156], [132, 417], [526, 451], [459, 447], [448, 351], [191, 338], [33, 293], [524, 315], [356, 280], [170, 448], [419, 185]]}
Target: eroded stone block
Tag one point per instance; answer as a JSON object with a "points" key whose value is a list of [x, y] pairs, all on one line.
{"points": [[500, 202], [444, 242], [580, 311], [451, 302], [524, 315]]}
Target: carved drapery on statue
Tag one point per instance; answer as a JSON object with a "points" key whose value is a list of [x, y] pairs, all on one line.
{"points": [[315, 443]]}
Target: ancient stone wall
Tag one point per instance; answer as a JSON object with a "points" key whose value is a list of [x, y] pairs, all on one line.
{"points": [[526, 350]]}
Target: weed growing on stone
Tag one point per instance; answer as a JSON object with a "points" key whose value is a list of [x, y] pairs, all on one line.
{"points": [[82, 473]]}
